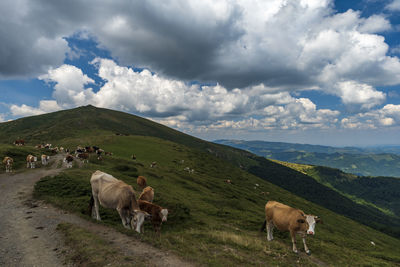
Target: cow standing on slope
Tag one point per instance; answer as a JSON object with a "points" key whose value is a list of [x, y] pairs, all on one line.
{"points": [[110, 192], [8, 162], [30, 161], [286, 218], [69, 159], [45, 159]]}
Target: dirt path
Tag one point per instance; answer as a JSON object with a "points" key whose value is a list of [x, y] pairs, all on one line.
{"points": [[28, 235]]}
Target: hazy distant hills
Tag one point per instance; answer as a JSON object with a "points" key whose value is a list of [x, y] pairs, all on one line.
{"points": [[371, 161]]}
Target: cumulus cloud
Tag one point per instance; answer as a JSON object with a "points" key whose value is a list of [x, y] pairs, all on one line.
{"points": [[178, 104], [69, 86], [364, 95], [387, 116], [45, 106], [238, 44], [393, 6]]}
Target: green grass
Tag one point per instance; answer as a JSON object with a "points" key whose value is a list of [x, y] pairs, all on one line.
{"points": [[210, 221]]}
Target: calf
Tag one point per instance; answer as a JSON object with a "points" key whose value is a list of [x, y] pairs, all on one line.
{"points": [[157, 213], [286, 218], [147, 194], [141, 181], [8, 162], [30, 161], [45, 159]]}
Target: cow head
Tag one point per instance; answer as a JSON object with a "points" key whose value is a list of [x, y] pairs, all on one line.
{"points": [[138, 220], [163, 215], [308, 223]]}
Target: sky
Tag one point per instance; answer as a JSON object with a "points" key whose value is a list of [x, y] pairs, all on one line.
{"points": [[306, 71]]}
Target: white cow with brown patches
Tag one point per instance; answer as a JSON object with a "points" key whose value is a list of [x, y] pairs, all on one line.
{"points": [[8, 162], [30, 161]]}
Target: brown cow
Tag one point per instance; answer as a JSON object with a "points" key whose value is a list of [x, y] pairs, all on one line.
{"points": [[83, 156], [147, 194], [286, 218], [115, 194], [19, 142], [8, 162], [158, 214], [30, 161], [141, 181]]}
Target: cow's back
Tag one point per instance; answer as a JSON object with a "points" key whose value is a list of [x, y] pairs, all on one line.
{"points": [[111, 192], [281, 215]]}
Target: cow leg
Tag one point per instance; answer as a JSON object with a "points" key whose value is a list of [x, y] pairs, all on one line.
{"points": [[305, 245], [270, 228], [96, 206], [124, 218], [293, 235], [27, 165]]}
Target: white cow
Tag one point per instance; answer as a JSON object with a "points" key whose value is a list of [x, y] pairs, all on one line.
{"points": [[115, 194], [45, 159], [30, 161]]}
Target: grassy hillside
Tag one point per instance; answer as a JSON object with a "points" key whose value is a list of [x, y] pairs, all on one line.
{"points": [[210, 221], [359, 161], [380, 192]]}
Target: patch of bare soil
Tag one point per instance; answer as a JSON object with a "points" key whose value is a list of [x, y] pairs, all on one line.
{"points": [[28, 235]]}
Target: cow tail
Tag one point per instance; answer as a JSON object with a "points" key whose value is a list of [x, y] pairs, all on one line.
{"points": [[263, 226], [90, 207]]}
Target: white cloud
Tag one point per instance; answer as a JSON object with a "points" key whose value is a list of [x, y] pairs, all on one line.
{"points": [[364, 95], [238, 44], [69, 88], [179, 104], [45, 106], [394, 5], [388, 116]]}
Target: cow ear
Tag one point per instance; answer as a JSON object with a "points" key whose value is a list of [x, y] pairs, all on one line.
{"points": [[318, 220], [301, 221]]}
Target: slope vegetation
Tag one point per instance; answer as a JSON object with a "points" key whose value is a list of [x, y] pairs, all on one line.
{"points": [[210, 221]]}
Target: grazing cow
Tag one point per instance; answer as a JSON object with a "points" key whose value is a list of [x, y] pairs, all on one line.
{"points": [[286, 218], [39, 146], [30, 161], [228, 181], [48, 146], [112, 193], [89, 149], [147, 194], [153, 164], [19, 142], [141, 181], [45, 160], [8, 162], [69, 159], [83, 156], [157, 213], [108, 153]]}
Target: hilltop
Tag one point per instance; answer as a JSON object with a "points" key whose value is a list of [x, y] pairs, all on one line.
{"points": [[211, 221]]}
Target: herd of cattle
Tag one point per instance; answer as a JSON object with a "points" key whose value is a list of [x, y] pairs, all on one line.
{"points": [[110, 192]]}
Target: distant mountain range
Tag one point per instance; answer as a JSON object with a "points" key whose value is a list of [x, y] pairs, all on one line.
{"points": [[369, 161]]}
